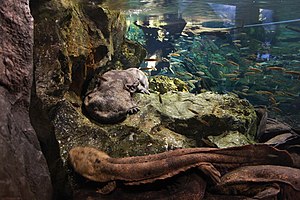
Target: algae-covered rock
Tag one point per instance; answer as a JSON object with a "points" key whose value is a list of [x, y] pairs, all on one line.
{"points": [[164, 122], [163, 84], [131, 54], [132, 137], [198, 116], [229, 139], [72, 40]]}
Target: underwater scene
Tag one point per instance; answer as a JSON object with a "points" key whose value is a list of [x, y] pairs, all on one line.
{"points": [[150, 99], [249, 48]]}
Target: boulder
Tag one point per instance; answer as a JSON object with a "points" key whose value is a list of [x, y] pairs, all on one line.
{"points": [[169, 121], [23, 168]]}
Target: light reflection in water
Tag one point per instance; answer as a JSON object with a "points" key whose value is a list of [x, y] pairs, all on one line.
{"points": [[247, 47]]}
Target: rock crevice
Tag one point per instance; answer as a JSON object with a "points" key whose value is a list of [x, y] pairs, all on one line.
{"points": [[23, 167]]}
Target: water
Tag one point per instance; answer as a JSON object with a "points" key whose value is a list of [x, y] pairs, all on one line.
{"points": [[250, 48]]}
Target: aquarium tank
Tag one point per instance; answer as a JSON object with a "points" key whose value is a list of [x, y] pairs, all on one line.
{"points": [[249, 48], [149, 99]]}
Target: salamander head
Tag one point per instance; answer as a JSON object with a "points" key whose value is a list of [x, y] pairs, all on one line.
{"points": [[143, 80], [86, 162]]}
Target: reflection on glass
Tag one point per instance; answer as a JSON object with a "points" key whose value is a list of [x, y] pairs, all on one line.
{"points": [[250, 48], [225, 12]]}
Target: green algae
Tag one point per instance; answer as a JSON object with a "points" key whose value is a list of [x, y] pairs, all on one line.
{"points": [[163, 84], [230, 139]]}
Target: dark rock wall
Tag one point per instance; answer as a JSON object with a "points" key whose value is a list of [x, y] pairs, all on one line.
{"points": [[23, 169]]}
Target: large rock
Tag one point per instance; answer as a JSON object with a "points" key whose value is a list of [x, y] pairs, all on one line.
{"points": [[23, 169], [73, 39], [164, 122]]}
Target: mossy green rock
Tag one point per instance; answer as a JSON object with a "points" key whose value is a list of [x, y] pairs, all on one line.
{"points": [[129, 138], [72, 40], [229, 139], [163, 84], [164, 122], [198, 116]]}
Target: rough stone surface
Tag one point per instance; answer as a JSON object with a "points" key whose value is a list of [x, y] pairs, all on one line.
{"points": [[229, 139], [164, 122], [163, 84], [23, 168], [74, 40]]}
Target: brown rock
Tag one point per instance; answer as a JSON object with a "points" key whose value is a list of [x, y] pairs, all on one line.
{"points": [[23, 170]]}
